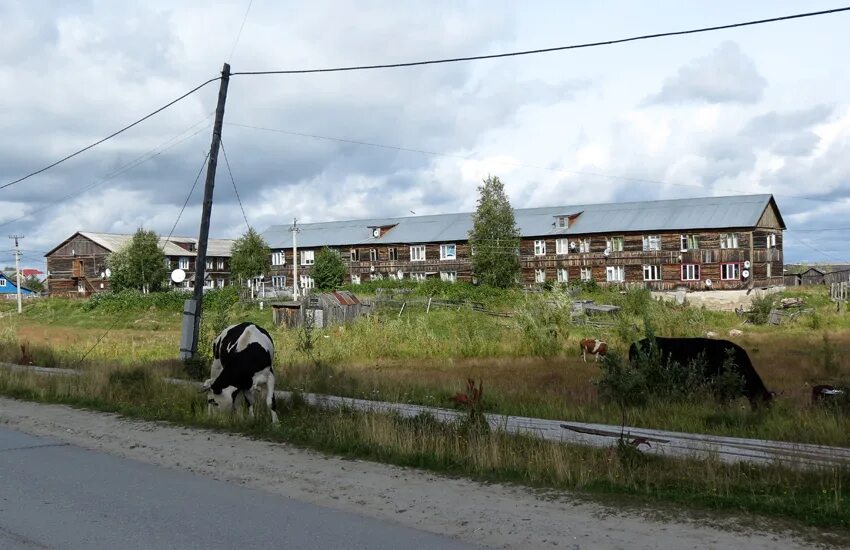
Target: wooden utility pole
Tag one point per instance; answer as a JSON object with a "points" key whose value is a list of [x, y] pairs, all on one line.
{"points": [[295, 231], [192, 312], [18, 267]]}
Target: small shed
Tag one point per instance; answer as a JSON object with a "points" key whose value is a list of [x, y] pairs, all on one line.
{"points": [[325, 309], [812, 276]]}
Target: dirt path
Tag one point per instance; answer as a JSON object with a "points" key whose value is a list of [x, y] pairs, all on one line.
{"points": [[491, 515]]}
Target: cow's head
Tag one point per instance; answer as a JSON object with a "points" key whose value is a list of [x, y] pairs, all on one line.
{"points": [[223, 400]]}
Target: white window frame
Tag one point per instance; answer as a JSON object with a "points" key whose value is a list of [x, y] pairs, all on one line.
{"points": [[354, 254], [373, 254], [539, 275], [689, 242], [562, 246], [563, 222], [417, 253], [183, 262], [2, 282], [690, 272], [448, 276], [540, 248], [418, 277], [727, 239], [306, 281], [771, 240], [355, 279], [563, 275], [651, 272], [220, 264], [220, 283], [278, 281], [308, 257], [392, 254], [586, 274], [615, 244], [210, 264], [584, 245], [615, 274], [651, 243], [730, 271], [448, 252], [278, 258]]}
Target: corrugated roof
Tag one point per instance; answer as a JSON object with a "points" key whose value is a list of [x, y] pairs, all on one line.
{"points": [[661, 215], [114, 241]]}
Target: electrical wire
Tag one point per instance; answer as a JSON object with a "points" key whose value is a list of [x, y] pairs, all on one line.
{"points": [[239, 34], [513, 163], [112, 135], [189, 196], [548, 50], [227, 163], [141, 159]]}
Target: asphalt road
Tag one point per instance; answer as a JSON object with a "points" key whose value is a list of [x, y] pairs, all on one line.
{"points": [[54, 495]]}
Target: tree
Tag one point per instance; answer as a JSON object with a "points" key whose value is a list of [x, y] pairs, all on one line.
{"points": [[494, 236], [139, 265], [33, 283], [250, 256], [329, 270]]}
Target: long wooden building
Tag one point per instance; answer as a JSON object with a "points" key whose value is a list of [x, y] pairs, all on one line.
{"points": [[719, 243], [77, 267]]}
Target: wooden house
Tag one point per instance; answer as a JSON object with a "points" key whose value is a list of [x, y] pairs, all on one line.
{"points": [[78, 265], [707, 243]]}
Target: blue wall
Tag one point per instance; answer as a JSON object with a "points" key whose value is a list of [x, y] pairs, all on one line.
{"points": [[7, 286]]}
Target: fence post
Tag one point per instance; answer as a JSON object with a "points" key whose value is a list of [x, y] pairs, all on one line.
{"points": [[428, 309]]}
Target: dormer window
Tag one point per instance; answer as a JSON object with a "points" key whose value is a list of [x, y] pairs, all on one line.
{"points": [[565, 221]]}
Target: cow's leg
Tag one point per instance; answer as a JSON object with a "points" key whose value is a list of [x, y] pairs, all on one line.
{"points": [[596, 360], [249, 398], [270, 400]]}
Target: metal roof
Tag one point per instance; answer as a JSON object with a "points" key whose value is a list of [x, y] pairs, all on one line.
{"points": [[660, 215], [114, 241]]}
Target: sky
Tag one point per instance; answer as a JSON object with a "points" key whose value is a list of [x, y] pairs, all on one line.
{"points": [[761, 109]]}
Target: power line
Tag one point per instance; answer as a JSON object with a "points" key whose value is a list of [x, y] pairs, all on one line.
{"points": [[548, 50], [514, 163], [189, 196], [825, 254], [239, 34], [141, 159], [110, 136], [227, 162]]}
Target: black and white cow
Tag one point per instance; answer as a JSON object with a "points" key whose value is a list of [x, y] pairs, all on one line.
{"points": [[243, 357], [714, 352]]}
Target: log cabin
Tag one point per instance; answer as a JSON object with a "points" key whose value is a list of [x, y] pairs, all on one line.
{"points": [[705, 243]]}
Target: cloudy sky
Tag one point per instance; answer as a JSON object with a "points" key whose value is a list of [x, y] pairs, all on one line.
{"points": [[760, 109]]}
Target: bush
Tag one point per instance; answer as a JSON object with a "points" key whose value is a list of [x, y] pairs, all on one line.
{"points": [[760, 308], [543, 326]]}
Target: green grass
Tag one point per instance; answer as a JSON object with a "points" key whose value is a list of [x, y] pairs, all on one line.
{"points": [[819, 498]]}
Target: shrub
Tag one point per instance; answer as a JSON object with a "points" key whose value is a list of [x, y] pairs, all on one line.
{"points": [[760, 307], [542, 325]]}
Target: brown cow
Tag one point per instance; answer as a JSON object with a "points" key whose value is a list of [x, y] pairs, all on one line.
{"points": [[594, 346]]}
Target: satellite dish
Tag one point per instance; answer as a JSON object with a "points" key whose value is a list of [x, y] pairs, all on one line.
{"points": [[747, 264], [708, 283], [108, 272], [102, 275], [178, 275], [400, 274], [606, 251], [746, 274], [572, 244], [372, 268], [376, 232]]}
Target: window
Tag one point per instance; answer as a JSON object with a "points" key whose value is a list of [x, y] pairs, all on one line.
{"points": [[615, 273], [539, 248], [209, 265], [392, 254], [168, 263], [306, 281], [183, 262], [2, 282], [539, 275], [651, 273], [562, 246], [448, 276], [586, 274], [419, 277], [278, 281], [307, 258], [730, 272], [651, 243], [220, 283], [728, 240], [81, 286], [448, 252], [278, 258], [355, 255], [562, 222], [373, 254], [417, 253], [355, 279], [563, 275], [689, 242], [690, 272], [771, 241], [584, 245], [614, 244], [220, 264]]}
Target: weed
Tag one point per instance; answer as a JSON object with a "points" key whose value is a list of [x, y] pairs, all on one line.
{"points": [[760, 307]]}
